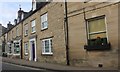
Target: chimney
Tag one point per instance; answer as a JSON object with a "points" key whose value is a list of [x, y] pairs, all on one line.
{"points": [[9, 26], [15, 21], [19, 18], [33, 5]]}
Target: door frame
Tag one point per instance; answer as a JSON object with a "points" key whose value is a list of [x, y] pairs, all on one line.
{"points": [[30, 49]]}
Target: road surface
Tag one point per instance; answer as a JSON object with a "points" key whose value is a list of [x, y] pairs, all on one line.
{"points": [[8, 66]]}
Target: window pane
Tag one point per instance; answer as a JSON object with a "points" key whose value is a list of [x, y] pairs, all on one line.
{"points": [[26, 29], [94, 36], [46, 17], [51, 45], [43, 46], [16, 48], [33, 29], [26, 32], [26, 48], [47, 46], [96, 25], [46, 49], [33, 23], [42, 19], [45, 24]]}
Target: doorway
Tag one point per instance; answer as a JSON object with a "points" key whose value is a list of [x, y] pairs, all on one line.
{"points": [[32, 50]]}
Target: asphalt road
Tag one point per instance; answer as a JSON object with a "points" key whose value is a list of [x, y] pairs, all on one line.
{"points": [[13, 67], [8, 66]]}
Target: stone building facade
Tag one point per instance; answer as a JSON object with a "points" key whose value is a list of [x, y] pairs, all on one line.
{"points": [[90, 40], [87, 21], [15, 41], [54, 31]]}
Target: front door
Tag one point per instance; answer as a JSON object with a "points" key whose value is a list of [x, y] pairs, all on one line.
{"points": [[33, 50]]}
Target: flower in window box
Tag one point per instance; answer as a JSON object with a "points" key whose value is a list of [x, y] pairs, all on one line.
{"points": [[98, 41]]}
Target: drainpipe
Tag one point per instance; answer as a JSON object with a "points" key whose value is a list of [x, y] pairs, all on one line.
{"points": [[21, 43], [85, 23], [66, 34], [84, 12]]}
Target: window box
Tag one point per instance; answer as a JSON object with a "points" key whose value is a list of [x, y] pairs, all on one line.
{"points": [[106, 46]]}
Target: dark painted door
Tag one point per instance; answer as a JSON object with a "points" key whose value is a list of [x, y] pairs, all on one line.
{"points": [[33, 50]]}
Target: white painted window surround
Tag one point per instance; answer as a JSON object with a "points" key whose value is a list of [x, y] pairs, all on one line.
{"points": [[17, 47], [44, 21], [26, 29], [33, 26], [97, 27], [26, 48], [47, 46]]}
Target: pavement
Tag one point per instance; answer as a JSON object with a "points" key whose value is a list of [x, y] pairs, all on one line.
{"points": [[50, 66]]}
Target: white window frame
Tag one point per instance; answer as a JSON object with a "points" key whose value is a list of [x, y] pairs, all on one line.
{"points": [[26, 29], [26, 52], [15, 47], [33, 26], [97, 32], [44, 19], [50, 46], [9, 48]]}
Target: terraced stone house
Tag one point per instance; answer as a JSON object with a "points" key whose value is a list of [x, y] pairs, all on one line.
{"points": [[72, 33]]}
